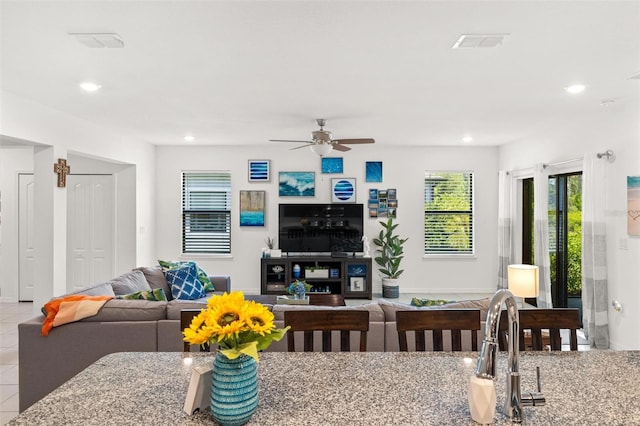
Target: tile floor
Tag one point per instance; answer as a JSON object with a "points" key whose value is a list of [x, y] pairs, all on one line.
{"points": [[10, 315]]}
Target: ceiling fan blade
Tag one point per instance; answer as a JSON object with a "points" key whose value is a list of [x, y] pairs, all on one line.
{"points": [[353, 141], [290, 140], [298, 147], [339, 147]]}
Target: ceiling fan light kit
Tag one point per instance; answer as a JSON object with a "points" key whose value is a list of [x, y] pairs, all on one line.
{"points": [[321, 149], [322, 144]]}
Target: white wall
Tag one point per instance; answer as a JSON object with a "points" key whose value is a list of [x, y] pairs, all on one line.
{"points": [[69, 136], [403, 169], [616, 128]]}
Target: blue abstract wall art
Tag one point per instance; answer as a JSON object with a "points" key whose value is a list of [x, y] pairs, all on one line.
{"points": [[373, 171], [252, 207], [259, 171], [343, 190], [331, 164], [297, 184]]}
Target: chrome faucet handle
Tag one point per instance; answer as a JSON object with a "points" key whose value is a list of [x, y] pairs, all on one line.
{"points": [[534, 399]]}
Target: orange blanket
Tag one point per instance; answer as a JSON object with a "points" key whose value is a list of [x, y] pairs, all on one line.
{"points": [[68, 309]]}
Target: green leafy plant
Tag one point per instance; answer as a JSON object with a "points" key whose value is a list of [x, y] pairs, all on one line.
{"points": [[390, 250]]}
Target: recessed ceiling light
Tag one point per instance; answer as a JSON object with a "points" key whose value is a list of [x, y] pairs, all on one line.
{"points": [[88, 86], [478, 41], [189, 138], [575, 88], [467, 139], [99, 40]]}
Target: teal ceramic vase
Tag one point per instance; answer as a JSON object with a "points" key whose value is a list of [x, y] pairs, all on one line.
{"points": [[234, 389]]}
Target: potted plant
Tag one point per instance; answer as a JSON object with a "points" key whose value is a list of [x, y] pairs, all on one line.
{"points": [[390, 254], [271, 250], [299, 289]]}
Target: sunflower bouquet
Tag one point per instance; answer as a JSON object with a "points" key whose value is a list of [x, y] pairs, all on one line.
{"points": [[236, 325]]}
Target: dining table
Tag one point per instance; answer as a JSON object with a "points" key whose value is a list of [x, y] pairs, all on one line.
{"points": [[595, 387]]}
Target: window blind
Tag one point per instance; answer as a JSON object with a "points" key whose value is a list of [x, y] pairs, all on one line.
{"points": [[448, 213], [206, 212]]}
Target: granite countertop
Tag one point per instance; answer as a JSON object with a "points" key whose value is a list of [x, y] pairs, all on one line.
{"points": [[374, 388]]}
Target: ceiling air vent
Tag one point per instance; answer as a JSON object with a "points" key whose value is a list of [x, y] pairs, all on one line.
{"points": [[477, 41], [99, 40]]}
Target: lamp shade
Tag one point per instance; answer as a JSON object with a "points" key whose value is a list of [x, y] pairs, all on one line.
{"points": [[321, 148], [523, 280]]}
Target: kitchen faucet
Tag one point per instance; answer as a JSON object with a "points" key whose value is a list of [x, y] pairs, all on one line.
{"points": [[486, 367]]}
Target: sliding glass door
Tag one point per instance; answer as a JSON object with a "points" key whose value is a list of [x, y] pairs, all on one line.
{"points": [[565, 236]]}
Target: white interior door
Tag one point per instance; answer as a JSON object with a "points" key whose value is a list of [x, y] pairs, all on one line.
{"points": [[25, 237], [90, 230]]}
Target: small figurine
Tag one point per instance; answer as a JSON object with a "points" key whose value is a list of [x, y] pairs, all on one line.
{"points": [[365, 246]]}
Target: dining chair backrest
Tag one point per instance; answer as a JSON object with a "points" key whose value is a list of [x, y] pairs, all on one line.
{"points": [[541, 328], [327, 320], [186, 315], [436, 321], [326, 299]]}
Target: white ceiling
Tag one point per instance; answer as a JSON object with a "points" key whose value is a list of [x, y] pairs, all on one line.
{"points": [[246, 71]]}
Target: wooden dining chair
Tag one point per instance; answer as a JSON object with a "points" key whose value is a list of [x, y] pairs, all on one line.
{"points": [[540, 329], [327, 321], [186, 315], [326, 299], [436, 321]]}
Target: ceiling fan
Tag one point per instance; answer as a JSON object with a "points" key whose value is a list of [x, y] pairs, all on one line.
{"points": [[321, 142]]}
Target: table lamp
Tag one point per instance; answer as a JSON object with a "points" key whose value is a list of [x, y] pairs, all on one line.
{"points": [[523, 281]]}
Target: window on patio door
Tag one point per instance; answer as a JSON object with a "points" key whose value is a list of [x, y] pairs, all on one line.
{"points": [[565, 236]]}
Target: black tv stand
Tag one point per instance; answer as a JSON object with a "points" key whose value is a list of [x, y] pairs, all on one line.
{"points": [[346, 275]]}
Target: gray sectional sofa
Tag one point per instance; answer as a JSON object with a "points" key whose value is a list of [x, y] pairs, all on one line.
{"points": [[120, 326], [149, 326]]}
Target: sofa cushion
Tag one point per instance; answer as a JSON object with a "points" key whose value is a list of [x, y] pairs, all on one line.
{"points": [[376, 314], [202, 275], [156, 279], [390, 308], [129, 283], [154, 295], [429, 302], [102, 289], [175, 306], [130, 310], [185, 283]]}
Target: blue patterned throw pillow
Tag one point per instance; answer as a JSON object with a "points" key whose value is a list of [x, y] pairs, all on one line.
{"points": [[202, 275], [184, 283]]}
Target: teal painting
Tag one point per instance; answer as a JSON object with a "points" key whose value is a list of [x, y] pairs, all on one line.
{"points": [[252, 207], [373, 171], [331, 164], [297, 184]]}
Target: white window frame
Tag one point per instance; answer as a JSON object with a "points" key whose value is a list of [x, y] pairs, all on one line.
{"points": [[206, 202], [430, 177]]}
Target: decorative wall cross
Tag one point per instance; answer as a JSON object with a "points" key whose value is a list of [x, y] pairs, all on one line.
{"points": [[62, 170]]}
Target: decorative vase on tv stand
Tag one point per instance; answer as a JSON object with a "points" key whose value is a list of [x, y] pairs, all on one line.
{"points": [[389, 256]]}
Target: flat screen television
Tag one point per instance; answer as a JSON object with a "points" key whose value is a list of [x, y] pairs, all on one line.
{"points": [[320, 228]]}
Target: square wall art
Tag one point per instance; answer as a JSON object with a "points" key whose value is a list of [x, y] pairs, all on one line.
{"points": [[331, 164], [297, 184], [259, 171], [343, 190], [373, 171], [252, 207]]}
